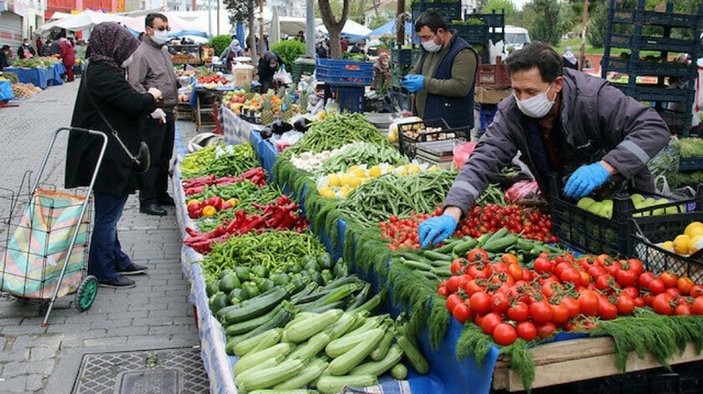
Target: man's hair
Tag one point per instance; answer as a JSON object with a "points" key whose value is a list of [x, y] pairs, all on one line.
{"points": [[5, 47], [149, 21], [432, 20], [536, 54]]}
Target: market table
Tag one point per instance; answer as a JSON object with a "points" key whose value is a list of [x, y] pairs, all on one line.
{"points": [[35, 76]]}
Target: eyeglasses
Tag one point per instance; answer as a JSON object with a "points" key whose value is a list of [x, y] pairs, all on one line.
{"points": [[162, 28]]}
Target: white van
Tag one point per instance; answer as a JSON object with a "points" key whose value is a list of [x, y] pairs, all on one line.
{"points": [[516, 37]]}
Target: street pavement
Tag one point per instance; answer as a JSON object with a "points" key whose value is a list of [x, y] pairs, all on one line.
{"points": [[153, 315]]}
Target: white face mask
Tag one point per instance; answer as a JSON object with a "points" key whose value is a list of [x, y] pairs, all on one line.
{"points": [[537, 106], [128, 61], [160, 37], [431, 46]]}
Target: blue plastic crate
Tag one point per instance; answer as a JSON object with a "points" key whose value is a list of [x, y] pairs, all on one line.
{"points": [[402, 56], [347, 72], [643, 67], [349, 98], [486, 115]]}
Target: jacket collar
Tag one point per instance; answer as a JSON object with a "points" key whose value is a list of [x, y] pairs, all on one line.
{"points": [[151, 42]]}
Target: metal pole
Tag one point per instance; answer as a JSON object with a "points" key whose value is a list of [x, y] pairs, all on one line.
{"points": [[262, 46], [209, 17], [310, 28], [582, 50], [218, 17]]}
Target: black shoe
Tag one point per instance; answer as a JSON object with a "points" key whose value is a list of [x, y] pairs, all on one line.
{"points": [[120, 283], [135, 269], [153, 209], [167, 201]]}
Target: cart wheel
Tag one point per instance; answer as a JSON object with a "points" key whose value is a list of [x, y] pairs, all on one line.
{"points": [[86, 293]]}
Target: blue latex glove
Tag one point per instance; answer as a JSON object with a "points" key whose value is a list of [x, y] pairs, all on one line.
{"points": [[413, 83], [435, 230], [585, 179]]}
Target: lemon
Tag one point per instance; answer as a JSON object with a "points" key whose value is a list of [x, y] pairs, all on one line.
{"points": [[668, 245], [681, 244], [327, 192], [413, 168], [359, 173], [696, 227], [695, 244], [333, 180], [346, 179], [375, 171], [354, 182]]}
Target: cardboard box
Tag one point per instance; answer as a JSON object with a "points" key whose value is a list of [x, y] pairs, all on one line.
{"points": [[491, 96]]}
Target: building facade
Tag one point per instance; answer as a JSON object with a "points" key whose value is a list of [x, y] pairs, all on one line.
{"points": [[19, 19]]}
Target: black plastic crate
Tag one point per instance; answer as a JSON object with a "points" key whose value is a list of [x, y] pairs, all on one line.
{"points": [[590, 233], [450, 11], [650, 43], [648, 92], [691, 164], [493, 19], [401, 56], [677, 121], [644, 67], [670, 19], [473, 34], [408, 143]]}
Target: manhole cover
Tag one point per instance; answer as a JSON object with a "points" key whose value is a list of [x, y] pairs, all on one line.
{"points": [[143, 372]]}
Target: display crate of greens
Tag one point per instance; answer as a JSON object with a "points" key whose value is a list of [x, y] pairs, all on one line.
{"points": [[412, 135], [588, 232]]}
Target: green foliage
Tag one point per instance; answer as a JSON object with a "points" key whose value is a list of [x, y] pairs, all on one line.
{"points": [[498, 5], [289, 50], [567, 18], [542, 18], [597, 24], [378, 20], [220, 42]]}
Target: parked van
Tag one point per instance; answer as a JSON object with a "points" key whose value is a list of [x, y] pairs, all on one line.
{"points": [[516, 37]]}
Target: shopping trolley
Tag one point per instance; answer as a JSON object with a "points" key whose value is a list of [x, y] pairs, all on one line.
{"points": [[47, 230]]}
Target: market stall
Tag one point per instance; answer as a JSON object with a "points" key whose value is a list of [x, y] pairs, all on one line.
{"points": [[40, 72]]}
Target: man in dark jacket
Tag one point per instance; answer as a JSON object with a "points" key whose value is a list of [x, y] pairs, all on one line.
{"points": [[5, 57], [561, 120], [443, 78], [25, 50]]}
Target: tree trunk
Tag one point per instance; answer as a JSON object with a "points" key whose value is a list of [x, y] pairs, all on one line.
{"points": [[252, 33], [334, 27]]}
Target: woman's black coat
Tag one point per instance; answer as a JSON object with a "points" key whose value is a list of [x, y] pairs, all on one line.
{"points": [[125, 109]]}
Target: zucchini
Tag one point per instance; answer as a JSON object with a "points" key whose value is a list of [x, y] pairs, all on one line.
{"points": [[370, 305], [370, 323], [464, 247], [272, 362], [500, 244], [378, 368], [271, 336], [307, 290], [432, 255], [286, 391], [255, 307], [385, 344], [251, 360], [341, 345], [360, 297], [343, 325], [334, 384], [300, 316], [279, 320], [413, 354], [246, 326], [305, 329], [347, 361], [399, 372], [361, 317], [311, 372], [269, 377], [313, 346]]}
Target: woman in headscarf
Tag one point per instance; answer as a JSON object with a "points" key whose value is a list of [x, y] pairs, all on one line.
{"points": [[105, 102], [268, 65], [232, 51], [570, 60]]}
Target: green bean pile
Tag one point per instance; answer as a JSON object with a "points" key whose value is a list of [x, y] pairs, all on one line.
{"points": [[390, 194], [363, 153], [336, 131], [219, 160]]}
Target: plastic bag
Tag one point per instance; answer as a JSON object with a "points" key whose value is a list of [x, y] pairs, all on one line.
{"points": [[285, 140], [666, 162], [524, 192], [283, 76], [462, 153]]}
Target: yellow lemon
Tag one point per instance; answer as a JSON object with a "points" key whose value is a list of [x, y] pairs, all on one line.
{"points": [[375, 171], [695, 244], [681, 244], [359, 172], [333, 180], [354, 182], [327, 192], [393, 137], [344, 193], [668, 245], [413, 168], [346, 179], [696, 227]]}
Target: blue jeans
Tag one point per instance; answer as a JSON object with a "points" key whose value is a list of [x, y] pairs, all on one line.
{"points": [[106, 257]]}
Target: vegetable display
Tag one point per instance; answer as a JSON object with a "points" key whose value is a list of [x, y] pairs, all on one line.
{"points": [[366, 153], [339, 185], [336, 131], [219, 160]]}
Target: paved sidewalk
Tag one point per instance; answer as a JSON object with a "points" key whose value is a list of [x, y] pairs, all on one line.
{"points": [[154, 315]]}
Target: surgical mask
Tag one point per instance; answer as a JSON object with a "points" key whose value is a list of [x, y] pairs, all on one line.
{"points": [[431, 46], [160, 37], [537, 106], [128, 61]]}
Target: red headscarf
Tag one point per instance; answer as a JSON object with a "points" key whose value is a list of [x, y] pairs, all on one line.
{"points": [[111, 44]]}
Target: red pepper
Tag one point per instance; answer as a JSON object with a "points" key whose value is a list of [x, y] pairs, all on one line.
{"points": [[253, 224], [193, 233], [194, 190], [288, 222]]}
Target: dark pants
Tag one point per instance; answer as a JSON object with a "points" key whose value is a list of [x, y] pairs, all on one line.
{"points": [[160, 138], [106, 257]]}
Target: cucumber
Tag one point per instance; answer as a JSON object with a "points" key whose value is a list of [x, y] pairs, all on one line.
{"points": [[251, 360], [399, 372], [464, 247], [246, 326], [448, 246], [416, 264], [432, 255], [383, 347], [305, 329], [284, 391], [483, 238], [497, 235], [413, 354], [500, 244], [271, 336], [311, 372], [378, 368], [347, 361], [334, 384]]}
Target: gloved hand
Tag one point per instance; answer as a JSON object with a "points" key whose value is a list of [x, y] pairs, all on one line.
{"points": [[585, 179], [413, 83], [159, 114], [435, 230]]}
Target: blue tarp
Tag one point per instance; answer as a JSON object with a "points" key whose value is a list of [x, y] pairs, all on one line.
{"points": [[389, 28], [6, 93], [40, 77]]}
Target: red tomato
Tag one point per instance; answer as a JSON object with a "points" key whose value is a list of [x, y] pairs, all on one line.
{"points": [[604, 282], [476, 255], [572, 305], [631, 291], [478, 319], [606, 310], [588, 302], [662, 304], [457, 266], [546, 330], [626, 277], [499, 267], [504, 334], [596, 270], [516, 271], [669, 279], [509, 259], [560, 314], [682, 310], [519, 312], [639, 302], [560, 268], [550, 286], [500, 303], [635, 266], [442, 290], [473, 287], [673, 291], [570, 275], [480, 303], [648, 298], [489, 323], [479, 271], [541, 312], [656, 286], [452, 301], [461, 312], [684, 284], [697, 306], [543, 266], [453, 284], [696, 291], [527, 330], [585, 278], [625, 304], [645, 278]]}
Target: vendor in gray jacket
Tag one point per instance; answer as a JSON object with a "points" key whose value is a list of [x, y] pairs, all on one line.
{"points": [[561, 120]]}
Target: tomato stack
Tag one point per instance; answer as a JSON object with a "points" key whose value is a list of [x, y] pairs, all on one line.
{"points": [[508, 301]]}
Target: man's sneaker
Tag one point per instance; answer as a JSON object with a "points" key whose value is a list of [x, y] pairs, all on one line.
{"points": [[119, 283], [135, 269]]}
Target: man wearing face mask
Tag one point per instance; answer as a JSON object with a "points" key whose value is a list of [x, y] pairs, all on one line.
{"points": [[443, 78], [152, 68], [563, 122]]}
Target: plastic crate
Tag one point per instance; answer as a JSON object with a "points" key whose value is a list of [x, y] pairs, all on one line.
{"points": [[691, 164], [486, 115], [402, 56], [678, 121], [301, 68], [590, 233], [450, 11], [493, 76], [669, 19], [655, 93], [643, 67], [408, 144], [651, 231], [651, 43], [473, 34], [349, 98], [493, 19], [347, 72]]}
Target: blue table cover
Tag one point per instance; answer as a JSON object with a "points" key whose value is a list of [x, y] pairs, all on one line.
{"points": [[6, 93], [53, 74], [35, 76]]}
